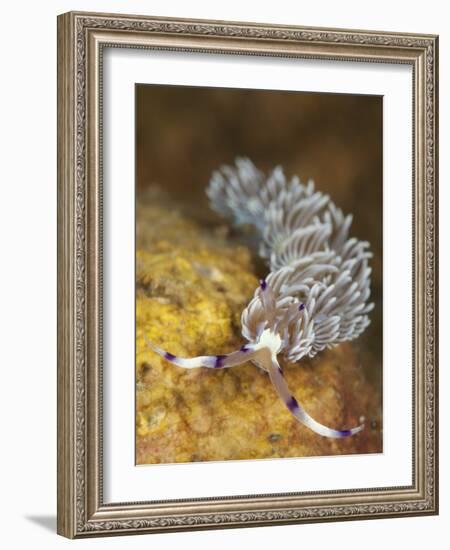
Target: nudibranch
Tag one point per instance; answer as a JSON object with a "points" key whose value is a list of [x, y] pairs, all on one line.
{"points": [[316, 293]]}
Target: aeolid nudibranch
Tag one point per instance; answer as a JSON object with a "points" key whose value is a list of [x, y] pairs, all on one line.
{"points": [[316, 294]]}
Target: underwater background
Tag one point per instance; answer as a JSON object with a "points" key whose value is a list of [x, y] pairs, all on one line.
{"points": [[195, 273]]}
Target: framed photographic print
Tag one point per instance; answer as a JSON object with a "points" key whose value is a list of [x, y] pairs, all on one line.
{"points": [[247, 279]]}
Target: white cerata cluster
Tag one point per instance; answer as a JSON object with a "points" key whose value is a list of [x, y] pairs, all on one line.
{"points": [[316, 294]]}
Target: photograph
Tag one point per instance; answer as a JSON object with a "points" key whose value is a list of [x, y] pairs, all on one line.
{"points": [[231, 219], [247, 274], [259, 274]]}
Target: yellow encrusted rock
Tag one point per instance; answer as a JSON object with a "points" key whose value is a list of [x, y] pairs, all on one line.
{"points": [[192, 284]]}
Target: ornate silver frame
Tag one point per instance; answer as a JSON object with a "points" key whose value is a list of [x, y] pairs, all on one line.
{"points": [[81, 39]]}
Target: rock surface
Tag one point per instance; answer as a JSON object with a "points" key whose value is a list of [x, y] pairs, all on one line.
{"points": [[192, 283]]}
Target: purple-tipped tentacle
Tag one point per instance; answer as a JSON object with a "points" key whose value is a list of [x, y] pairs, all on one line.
{"points": [[280, 384], [268, 300], [209, 361]]}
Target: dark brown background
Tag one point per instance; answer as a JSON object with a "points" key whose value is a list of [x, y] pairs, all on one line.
{"points": [[184, 133]]}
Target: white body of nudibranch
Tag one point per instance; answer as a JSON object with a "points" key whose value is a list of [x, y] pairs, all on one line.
{"points": [[316, 294]]}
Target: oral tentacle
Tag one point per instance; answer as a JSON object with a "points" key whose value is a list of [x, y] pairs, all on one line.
{"points": [[246, 353], [233, 359], [280, 384]]}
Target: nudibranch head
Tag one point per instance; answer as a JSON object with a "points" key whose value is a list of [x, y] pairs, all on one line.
{"points": [[273, 321]]}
